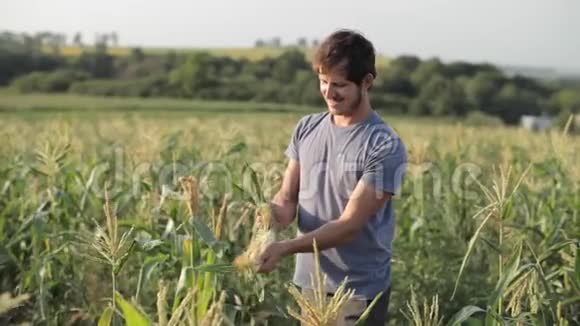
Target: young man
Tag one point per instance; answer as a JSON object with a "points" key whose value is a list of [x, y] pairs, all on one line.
{"points": [[345, 165]]}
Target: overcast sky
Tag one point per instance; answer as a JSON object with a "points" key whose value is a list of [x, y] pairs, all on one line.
{"points": [[543, 33]]}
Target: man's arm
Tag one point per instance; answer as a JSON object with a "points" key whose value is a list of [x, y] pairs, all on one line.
{"points": [[362, 205], [284, 203]]}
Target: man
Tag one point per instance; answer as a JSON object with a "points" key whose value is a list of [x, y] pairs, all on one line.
{"points": [[345, 165]]}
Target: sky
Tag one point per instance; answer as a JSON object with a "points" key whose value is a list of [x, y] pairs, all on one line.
{"points": [[537, 33]]}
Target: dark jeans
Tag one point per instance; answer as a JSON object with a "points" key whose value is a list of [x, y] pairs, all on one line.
{"points": [[379, 313]]}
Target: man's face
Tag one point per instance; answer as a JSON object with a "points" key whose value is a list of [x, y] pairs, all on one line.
{"points": [[342, 96]]}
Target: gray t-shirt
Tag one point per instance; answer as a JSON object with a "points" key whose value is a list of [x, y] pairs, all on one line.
{"points": [[332, 160]]}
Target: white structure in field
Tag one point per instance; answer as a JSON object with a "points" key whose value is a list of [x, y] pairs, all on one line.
{"points": [[536, 123]]}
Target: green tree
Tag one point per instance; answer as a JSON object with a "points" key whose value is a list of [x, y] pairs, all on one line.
{"points": [[460, 68], [451, 100], [512, 102], [482, 88], [441, 97], [426, 70], [567, 100], [395, 79], [286, 65], [137, 54], [419, 107], [407, 62], [99, 64], [195, 74]]}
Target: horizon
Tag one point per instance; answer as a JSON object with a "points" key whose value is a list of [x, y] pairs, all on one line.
{"points": [[545, 68], [526, 34]]}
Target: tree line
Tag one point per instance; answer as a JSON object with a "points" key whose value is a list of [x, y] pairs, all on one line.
{"points": [[407, 85]]}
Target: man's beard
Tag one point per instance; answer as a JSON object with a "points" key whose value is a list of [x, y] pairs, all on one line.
{"points": [[351, 109]]}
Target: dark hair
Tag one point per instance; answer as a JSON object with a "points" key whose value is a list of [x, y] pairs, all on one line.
{"points": [[348, 50]]}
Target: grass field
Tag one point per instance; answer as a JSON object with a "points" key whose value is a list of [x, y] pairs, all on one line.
{"points": [[237, 53], [487, 220], [50, 103], [252, 54]]}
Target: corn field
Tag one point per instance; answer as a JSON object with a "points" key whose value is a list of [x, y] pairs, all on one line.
{"points": [[125, 219]]}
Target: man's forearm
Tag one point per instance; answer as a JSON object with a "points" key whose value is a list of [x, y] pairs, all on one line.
{"points": [[330, 235], [283, 211]]}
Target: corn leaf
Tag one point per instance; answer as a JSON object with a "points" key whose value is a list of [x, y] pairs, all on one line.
{"points": [[133, 316], [464, 314], [147, 269], [215, 268], [204, 232], [511, 270], [577, 267], [468, 253], [106, 317], [367, 312]]}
